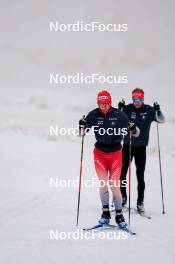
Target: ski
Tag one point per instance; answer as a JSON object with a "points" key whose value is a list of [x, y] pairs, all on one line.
{"points": [[93, 227], [107, 226], [143, 214], [126, 229], [100, 226]]}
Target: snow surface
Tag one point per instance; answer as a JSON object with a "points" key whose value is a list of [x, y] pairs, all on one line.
{"points": [[29, 207]]}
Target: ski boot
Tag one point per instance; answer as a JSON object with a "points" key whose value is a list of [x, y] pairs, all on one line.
{"points": [[120, 220], [140, 207], [106, 216]]}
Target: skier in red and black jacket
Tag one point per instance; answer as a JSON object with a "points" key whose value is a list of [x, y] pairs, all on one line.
{"points": [[110, 125], [142, 115]]}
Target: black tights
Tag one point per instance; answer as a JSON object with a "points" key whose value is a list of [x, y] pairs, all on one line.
{"points": [[139, 154]]}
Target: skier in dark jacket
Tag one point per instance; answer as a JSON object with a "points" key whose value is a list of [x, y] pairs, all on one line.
{"points": [[142, 115], [110, 125]]}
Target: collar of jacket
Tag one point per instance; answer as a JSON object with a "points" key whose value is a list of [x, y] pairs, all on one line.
{"points": [[105, 113]]}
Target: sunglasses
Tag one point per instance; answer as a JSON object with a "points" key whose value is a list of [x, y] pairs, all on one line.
{"points": [[138, 100]]}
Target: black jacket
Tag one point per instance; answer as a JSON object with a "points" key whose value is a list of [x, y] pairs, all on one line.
{"points": [[113, 119], [143, 118]]}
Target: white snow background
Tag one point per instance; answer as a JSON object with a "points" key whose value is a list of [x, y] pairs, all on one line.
{"points": [[29, 208]]}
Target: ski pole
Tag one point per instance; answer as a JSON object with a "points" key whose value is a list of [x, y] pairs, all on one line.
{"points": [[80, 177], [129, 180], [160, 168]]}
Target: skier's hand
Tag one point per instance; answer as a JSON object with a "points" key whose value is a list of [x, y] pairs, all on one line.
{"points": [[121, 104], [131, 126], [82, 121], [156, 106]]}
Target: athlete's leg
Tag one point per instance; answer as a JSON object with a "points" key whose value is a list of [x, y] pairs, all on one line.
{"points": [[125, 164], [115, 166], [101, 167], [140, 161]]}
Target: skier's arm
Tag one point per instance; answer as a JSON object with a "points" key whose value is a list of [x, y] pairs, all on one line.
{"points": [[126, 110], [158, 115], [89, 121]]}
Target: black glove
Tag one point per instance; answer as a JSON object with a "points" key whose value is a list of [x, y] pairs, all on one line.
{"points": [[156, 106], [131, 126], [82, 121], [121, 104]]}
